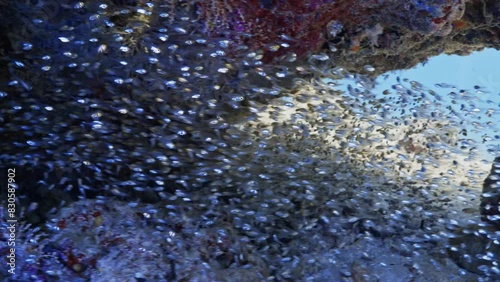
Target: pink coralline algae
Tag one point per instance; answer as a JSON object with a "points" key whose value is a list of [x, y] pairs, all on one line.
{"points": [[302, 24]]}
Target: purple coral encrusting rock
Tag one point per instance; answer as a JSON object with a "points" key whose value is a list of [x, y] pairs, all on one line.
{"points": [[306, 21]]}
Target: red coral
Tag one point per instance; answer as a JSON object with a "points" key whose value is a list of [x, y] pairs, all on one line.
{"points": [[263, 24], [302, 21]]}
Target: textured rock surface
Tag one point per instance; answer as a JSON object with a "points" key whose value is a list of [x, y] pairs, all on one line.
{"points": [[388, 35], [107, 240], [476, 248], [490, 199], [471, 27]]}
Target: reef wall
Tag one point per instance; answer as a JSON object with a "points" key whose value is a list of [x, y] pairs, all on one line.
{"points": [[490, 200], [387, 35]]}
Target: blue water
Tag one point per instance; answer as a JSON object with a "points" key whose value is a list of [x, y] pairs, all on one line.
{"points": [[462, 89]]}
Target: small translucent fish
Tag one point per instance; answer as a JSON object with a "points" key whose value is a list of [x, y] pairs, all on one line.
{"points": [[444, 85]]}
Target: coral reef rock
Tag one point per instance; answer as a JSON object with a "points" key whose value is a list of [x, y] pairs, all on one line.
{"points": [[490, 199]]}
